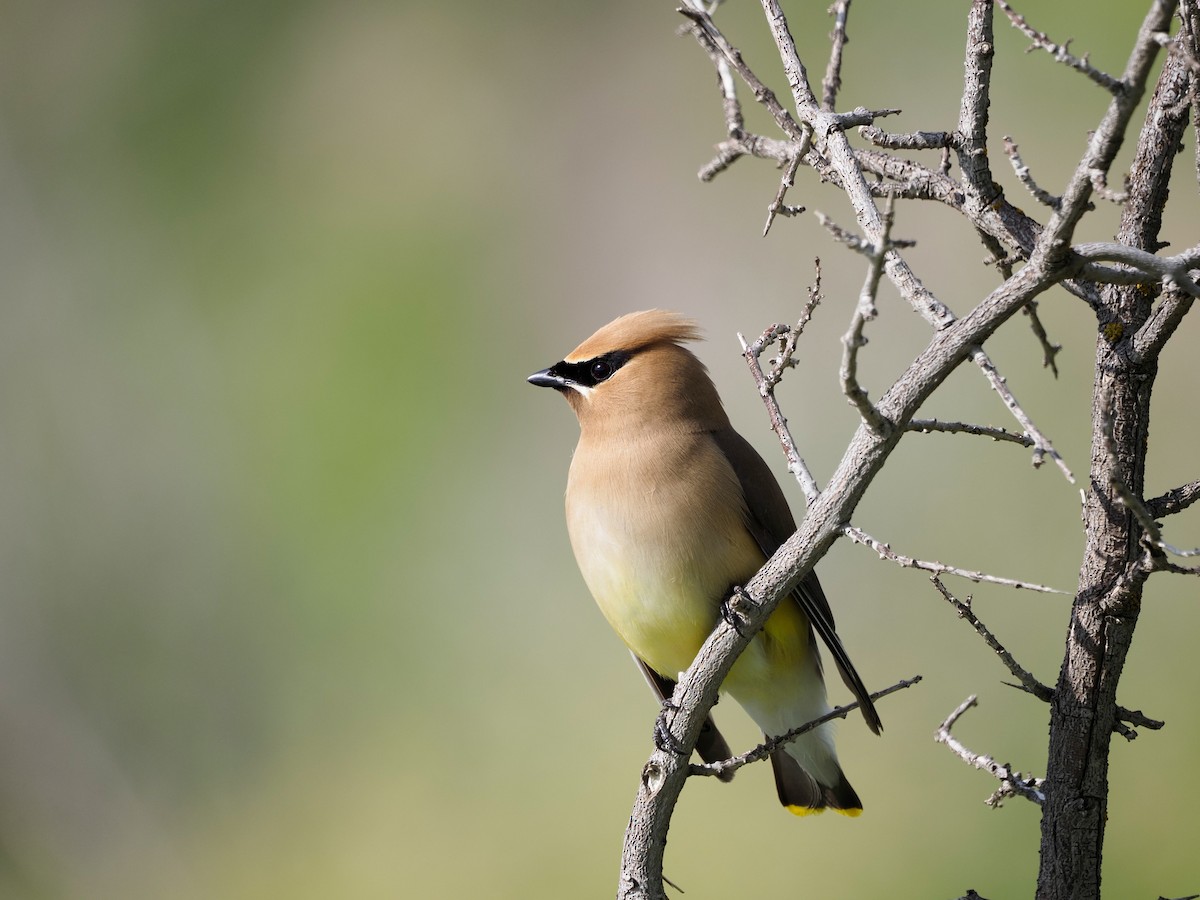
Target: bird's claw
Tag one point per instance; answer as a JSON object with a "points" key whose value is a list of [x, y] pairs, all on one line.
{"points": [[731, 615], [664, 739]]}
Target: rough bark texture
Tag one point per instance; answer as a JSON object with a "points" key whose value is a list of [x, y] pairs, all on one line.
{"points": [[1113, 572]]}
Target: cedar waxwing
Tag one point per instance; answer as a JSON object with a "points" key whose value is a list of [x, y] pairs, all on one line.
{"points": [[668, 509]]}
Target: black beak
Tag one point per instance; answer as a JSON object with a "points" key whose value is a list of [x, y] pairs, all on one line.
{"points": [[547, 378]]}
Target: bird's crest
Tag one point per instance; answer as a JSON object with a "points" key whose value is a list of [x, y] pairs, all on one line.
{"points": [[635, 331]]}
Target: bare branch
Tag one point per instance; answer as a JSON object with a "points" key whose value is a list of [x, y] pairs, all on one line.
{"points": [[766, 390], [928, 426], [885, 551], [1174, 269], [838, 39], [1049, 350], [973, 108], [864, 312], [916, 140], [1041, 443], [1026, 178], [1028, 682], [1149, 340], [1138, 719], [1174, 501], [1103, 191], [859, 116], [1011, 783], [1049, 260], [855, 242], [710, 37], [726, 767], [1060, 52], [777, 205]]}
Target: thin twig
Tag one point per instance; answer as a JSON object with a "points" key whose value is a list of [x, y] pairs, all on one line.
{"points": [[864, 312], [885, 551], [766, 390], [838, 40], [713, 41], [928, 426], [858, 116], [1025, 176], [1049, 350], [766, 748], [788, 337], [1029, 683], [777, 206], [1103, 191], [1011, 783], [1041, 443], [1060, 52], [855, 242]]}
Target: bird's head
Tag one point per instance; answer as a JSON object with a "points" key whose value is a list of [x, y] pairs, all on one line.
{"points": [[635, 371]]}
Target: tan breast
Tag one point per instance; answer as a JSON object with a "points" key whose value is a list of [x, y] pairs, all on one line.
{"points": [[657, 529]]}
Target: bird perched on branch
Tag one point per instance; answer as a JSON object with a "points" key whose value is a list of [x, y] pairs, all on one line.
{"points": [[669, 509]]}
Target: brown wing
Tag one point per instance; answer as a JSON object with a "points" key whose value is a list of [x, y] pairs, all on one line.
{"points": [[771, 523], [711, 745]]}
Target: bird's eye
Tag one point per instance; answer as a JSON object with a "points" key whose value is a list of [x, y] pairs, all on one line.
{"points": [[601, 370]]}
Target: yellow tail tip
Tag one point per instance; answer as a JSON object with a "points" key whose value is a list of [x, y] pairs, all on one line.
{"points": [[809, 811]]}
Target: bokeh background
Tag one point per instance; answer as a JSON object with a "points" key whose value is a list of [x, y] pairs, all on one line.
{"points": [[287, 608]]}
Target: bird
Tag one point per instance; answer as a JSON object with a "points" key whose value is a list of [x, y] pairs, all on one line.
{"points": [[668, 509]]}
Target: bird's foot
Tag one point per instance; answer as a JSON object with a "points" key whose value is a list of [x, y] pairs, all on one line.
{"points": [[731, 612], [664, 739]]}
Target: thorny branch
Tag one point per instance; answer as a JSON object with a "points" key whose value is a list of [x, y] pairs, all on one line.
{"points": [[726, 767], [1060, 52], [766, 389], [1028, 682], [928, 426], [864, 312], [858, 536], [1012, 784], [1041, 444]]}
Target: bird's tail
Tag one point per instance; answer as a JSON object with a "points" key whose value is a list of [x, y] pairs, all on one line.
{"points": [[803, 794]]}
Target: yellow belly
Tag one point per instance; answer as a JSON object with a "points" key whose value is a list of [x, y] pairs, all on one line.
{"points": [[664, 602], [659, 533]]}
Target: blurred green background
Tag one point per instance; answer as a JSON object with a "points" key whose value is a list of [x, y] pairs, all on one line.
{"points": [[288, 608]]}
